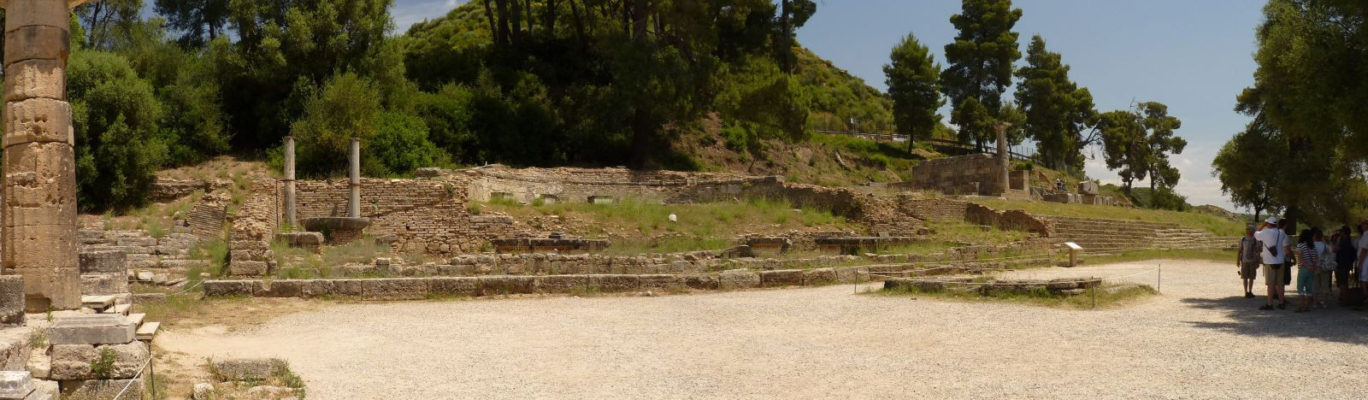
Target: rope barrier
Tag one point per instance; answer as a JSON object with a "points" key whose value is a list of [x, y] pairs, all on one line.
{"points": [[136, 376]]}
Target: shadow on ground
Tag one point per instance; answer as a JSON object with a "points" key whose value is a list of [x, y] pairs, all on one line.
{"points": [[1334, 324]]}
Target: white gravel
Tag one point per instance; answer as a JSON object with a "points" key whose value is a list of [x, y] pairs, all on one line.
{"points": [[1200, 339]]}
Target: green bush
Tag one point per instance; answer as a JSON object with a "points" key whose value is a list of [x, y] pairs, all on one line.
{"points": [[399, 146], [118, 145], [347, 107]]}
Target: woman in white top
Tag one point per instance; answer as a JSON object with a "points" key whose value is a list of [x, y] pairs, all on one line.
{"points": [[1326, 270]]}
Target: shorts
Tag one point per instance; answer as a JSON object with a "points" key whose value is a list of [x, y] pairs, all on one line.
{"points": [[1305, 279], [1273, 276], [1249, 270]]}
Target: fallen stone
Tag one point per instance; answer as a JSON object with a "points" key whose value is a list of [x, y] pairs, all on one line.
{"points": [[148, 330], [75, 361], [45, 390], [819, 276], [246, 369], [102, 389], [783, 277], [15, 385], [148, 298], [738, 279], [271, 393], [91, 329], [39, 363], [203, 391], [97, 302], [12, 299]]}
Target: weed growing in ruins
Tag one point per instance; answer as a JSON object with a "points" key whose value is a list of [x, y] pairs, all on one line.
{"points": [[38, 339], [215, 252], [103, 366]]}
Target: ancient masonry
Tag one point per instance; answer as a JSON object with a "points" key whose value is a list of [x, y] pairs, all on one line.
{"points": [[39, 236]]}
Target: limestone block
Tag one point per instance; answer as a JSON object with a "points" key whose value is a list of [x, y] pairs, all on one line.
{"points": [[39, 363], [46, 390], [40, 176], [784, 277], [500, 285], [702, 282], [16, 385], [102, 389], [74, 361], [37, 42], [104, 262], [659, 281], [248, 268], [22, 13], [454, 286], [203, 391], [253, 369], [104, 284], [316, 288], [91, 329], [393, 289], [562, 283], [11, 299], [231, 288], [35, 79], [283, 288], [819, 276], [852, 274], [738, 279]]}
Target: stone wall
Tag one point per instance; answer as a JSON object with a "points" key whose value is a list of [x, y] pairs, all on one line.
{"points": [[939, 210], [577, 185], [254, 226], [977, 174], [168, 254], [1015, 220]]}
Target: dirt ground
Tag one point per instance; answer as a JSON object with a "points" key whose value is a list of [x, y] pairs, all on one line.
{"points": [[1199, 339]]}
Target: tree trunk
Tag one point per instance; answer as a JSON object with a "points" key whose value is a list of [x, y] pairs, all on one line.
{"points": [[493, 29], [504, 34], [550, 18]]}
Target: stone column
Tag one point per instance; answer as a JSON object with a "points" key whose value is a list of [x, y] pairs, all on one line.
{"points": [[1004, 156], [290, 216], [354, 198], [39, 213]]}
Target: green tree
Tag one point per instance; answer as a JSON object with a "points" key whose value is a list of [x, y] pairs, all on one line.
{"points": [[400, 145], [1125, 146], [980, 65], [913, 79], [1245, 171], [107, 22], [792, 15], [346, 108], [197, 21], [1057, 110], [115, 116], [1162, 143]]}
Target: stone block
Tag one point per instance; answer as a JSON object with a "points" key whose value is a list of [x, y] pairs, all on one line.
{"points": [[659, 281], [40, 176], [23, 13], [562, 283], [852, 274], [317, 288], [312, 241], [46, 390], [35, 79], [231, 288], [349, 287], [11, 300], [39, 363], [248, 268], [103, 389], [783, 277], [37, 42], [702, 282], [738, 279], [283, 288], [37, 120], [246, 370], [104, 284], [819, 277], [613, 283], [394, 289], [505, 284], [453, 286], [75, 361], [91, 329], [104, 262], [15, 385]]}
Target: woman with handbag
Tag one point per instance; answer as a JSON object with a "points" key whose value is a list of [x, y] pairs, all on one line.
{"points": [[1306, 269]]}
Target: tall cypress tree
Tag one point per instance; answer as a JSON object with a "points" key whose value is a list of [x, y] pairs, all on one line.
{"points": [[980, 67]]}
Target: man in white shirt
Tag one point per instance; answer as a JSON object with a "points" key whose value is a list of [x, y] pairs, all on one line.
{"points": [[1276, 247]]}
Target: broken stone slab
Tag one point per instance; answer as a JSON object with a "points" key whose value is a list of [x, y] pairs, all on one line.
{"points": [[12, 300], [15, 385], [39, 363], [247, 369], [76, 361], [148, 331], [92, 329], [97, 302], [102, 389], [147, 298]]}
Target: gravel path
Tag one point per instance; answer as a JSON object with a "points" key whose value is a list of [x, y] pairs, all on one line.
{"points": [[1200, 339]]}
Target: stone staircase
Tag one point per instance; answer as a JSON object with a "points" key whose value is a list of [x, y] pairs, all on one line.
{"points": [[1111, 236]]}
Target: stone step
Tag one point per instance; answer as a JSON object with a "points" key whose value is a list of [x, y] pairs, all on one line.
{"points": [[98, 303], [137, 318], [148, 330], [121, 309]]}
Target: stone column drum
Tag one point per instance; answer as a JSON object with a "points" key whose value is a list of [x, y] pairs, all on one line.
{"points": [[39, 213], [354, 195], [290, 214]]}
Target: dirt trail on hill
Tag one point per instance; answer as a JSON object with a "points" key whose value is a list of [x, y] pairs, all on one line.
{"points": [[1199, 339]]}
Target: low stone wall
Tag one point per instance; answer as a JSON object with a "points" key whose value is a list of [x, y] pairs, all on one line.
{"points": [[254, 226], [168, 254], [978, 174], [1016, 220], [1056, 287]]}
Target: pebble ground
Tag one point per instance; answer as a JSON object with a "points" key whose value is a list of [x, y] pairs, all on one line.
{"points": [[1200, 339]]}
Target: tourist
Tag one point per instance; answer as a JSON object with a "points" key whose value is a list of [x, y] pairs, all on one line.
{"points": [[1290, 261], [1325, 253], [1273, 243], [1345, 253], [1247, 260], [1361, 262], [1306, 269]]}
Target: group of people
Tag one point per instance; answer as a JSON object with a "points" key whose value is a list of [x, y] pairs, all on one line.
{"points": [[1323, 263]]}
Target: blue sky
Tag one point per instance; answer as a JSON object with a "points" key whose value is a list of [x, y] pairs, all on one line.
{"points": [[1194, 56]]}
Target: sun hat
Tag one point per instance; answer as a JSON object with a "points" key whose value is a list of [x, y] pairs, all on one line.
{"points": [[1274, 221]]}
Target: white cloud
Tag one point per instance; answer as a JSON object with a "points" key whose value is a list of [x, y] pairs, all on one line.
{"points": [[1194, 164]]}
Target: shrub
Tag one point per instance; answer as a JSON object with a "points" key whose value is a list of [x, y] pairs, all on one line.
{"points": [[115, 116]]}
